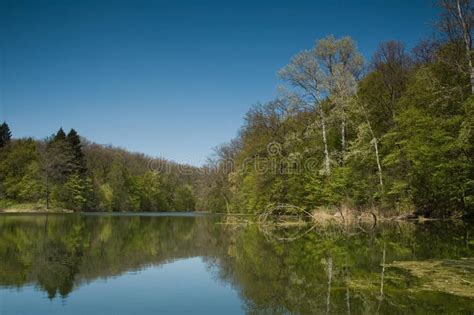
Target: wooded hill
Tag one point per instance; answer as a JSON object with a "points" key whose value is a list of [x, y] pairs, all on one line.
{"points": [[65, 171]]}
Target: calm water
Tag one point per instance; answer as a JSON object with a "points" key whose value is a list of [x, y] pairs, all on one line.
{"points": [[195, 264]]}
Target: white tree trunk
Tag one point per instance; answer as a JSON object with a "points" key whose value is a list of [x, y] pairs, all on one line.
{"points": [[327, 166], [376, 147], [379, 166]]}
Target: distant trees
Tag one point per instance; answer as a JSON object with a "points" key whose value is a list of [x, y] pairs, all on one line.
{"points": [[64, 172], [20, 171]]}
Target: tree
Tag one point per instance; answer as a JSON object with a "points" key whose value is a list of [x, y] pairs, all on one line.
{"points": [[328, 70], [18, 165], [5, 134], [305, 73], [457, 21], [76, 191], [184, 198], [60, 135], [74, 142], [342, 66], [393, 64], [117, 178], [57, 165]]}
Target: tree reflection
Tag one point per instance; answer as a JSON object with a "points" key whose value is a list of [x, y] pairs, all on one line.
{"points": [[328, 270]]}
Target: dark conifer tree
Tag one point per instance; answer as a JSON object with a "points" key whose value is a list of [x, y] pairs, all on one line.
{"points": [[60, 135], [5, 134], [74, 142]]}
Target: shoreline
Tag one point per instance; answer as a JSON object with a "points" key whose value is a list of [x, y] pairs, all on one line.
{"points": [[34, 211], [411, 218]]}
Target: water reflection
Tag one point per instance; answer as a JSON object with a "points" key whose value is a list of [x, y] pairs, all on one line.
{"points": [[328, 270]]}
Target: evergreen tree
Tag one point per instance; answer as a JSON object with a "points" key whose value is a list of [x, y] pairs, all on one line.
{"points": [[5, 134], [74, 142], [60, 135]]}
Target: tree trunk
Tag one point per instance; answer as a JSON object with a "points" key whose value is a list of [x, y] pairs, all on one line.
{"points": [[379, 166], [343, 135], [226, 203], [376, 147], [343, 140], [327, 167], [47, 193], [472, 74]]}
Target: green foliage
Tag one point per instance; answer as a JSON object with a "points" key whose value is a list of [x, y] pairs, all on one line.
{"points": [[184, 198], [76, 191], [19, 170], [403, 141], [398, 138], [61, 172]]}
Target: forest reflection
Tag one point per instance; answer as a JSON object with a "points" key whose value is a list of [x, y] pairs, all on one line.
{"points": [[328, 270]]}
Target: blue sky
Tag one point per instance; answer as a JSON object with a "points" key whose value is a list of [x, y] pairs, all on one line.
{"points": [[170, 78]]}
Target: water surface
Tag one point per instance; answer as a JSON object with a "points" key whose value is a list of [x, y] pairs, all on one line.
{"points": [[195, 264]]}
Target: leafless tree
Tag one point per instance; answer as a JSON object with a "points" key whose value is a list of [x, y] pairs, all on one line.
{"points": [[457, 21], [393, 62]]}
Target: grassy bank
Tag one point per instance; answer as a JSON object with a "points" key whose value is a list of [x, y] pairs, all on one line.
{"points": [[8, 207]]}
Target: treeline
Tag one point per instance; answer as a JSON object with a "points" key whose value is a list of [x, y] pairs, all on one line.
{"points": [[393, 134], [66, 172]]}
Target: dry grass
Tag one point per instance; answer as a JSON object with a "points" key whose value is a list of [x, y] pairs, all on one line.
{"points": [[343, 214], [325, 216], [32, 208]]}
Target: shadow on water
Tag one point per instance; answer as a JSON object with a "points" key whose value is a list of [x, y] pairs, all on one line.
{"points": [[396, 268]]}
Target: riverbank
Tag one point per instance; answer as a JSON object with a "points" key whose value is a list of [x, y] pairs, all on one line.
{"points": [[31, 208]]}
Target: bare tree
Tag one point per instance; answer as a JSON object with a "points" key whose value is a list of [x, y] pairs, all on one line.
{"points": [[457, 21], [393, 62], [425, 51]]}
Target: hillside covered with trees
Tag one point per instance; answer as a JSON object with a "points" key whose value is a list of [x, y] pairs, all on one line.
{"points": [[392, 134], [63, 172]]}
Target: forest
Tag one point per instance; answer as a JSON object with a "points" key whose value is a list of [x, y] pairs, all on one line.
{"points": [[67, 172], [392, 134]]}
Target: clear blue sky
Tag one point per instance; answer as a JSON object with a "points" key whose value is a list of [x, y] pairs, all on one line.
{"points": [[170, 78]]}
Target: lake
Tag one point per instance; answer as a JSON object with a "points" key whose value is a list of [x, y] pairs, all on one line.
{"points": [[209, 264]]}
